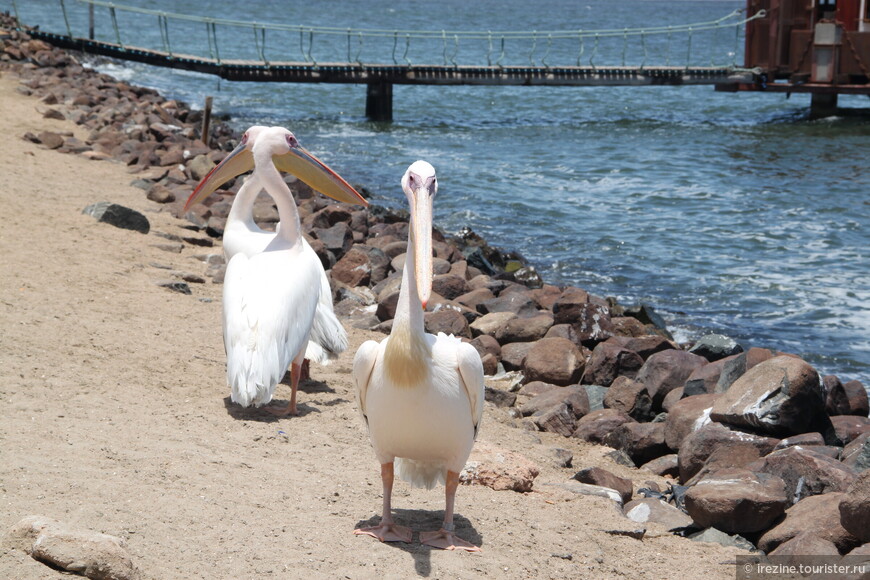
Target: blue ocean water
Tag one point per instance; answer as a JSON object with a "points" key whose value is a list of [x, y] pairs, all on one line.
{"points": [[730, 213]]}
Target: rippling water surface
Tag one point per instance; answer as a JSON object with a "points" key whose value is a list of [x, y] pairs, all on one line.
{"points": [[731, 213]]}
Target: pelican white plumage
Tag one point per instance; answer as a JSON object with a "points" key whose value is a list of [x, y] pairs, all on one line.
{"points": [[277, 302], [421, 395]]}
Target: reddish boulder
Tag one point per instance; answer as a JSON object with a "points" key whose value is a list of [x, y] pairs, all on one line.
{"points": [[491, 323], [666, 371], [796, 550], [485, 344], [737, 501], [574, 398], [849, 427], [475, 298], [642, 442], [361, 266], [666, 466], [629, 396], [450, 286], [448, 322], [699, 445], [855, 508], [687, 416], [566, 308], [603, 478], [819, 515], [595, 425], [528, 329], [803, 440], [705, 379], [519, 303], [857, 395], [513, 355], [645, 346], [554, 360], [781, 396], [735, 455], [805, 471], [845, 399], [609, 361]]}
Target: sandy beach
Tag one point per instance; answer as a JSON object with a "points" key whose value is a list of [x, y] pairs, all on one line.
{"points": [[115, 417]]}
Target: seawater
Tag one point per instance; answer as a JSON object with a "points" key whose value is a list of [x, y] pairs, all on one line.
{"points": [[729, 213]]}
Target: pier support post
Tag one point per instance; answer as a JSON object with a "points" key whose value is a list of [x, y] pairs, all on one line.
{"points": [[379, 101], [823, 105]]}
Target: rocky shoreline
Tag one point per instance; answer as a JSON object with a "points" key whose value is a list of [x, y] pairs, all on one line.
{"points": [[758, 445]]}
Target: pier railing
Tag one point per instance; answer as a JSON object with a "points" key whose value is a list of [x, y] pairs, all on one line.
{"points": [[697, 53]]}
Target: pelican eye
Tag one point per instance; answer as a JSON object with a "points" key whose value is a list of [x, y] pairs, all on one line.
{"points": [[292, 142], [245, 138]]}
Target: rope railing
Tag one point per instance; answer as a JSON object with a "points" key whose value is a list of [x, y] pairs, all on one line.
{"points": [[537, 48]]}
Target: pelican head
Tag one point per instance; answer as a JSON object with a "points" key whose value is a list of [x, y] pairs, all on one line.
{"points": [[420, 186], [293, 159]]}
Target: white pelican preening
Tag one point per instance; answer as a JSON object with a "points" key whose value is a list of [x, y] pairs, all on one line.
{"points": [[421, 395], [277, 307]]}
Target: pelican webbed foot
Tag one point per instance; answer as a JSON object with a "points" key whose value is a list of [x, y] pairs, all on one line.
{"points": [[446, 540], [389, 532]]}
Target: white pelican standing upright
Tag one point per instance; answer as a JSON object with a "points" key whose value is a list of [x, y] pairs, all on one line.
{"points": [[421, 395], [277, 303]]}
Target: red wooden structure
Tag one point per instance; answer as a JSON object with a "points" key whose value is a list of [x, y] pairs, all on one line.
{"points": [[820, 47]]}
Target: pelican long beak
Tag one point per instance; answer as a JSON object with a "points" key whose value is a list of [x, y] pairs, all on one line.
{"points": [[237, 162], [421, 230], [318, 175]]}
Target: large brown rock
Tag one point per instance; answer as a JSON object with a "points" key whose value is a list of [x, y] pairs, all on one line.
{"points": [[642, 442], [513, 355], [519, 303], [855, 508], [705, 379], [595, 425], [451, 286], [645, 346], [529, 329], [665, 466], [667, 370], [574, 397], [629, 396], [602, 477], [781, 396], [857, 395], [796, 550], [699, 445], [845, 399], [737, 501], [608, 361], [554, 360], [805, 471], [475, 298], [735, 455], [847, 428], [361, 266], [448, 322], [557, 410], [566, 308], [491, 323], [819, 515], [687, 416]]}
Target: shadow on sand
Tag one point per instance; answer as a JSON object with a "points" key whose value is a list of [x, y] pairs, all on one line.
{"points": [[422, 520]]}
